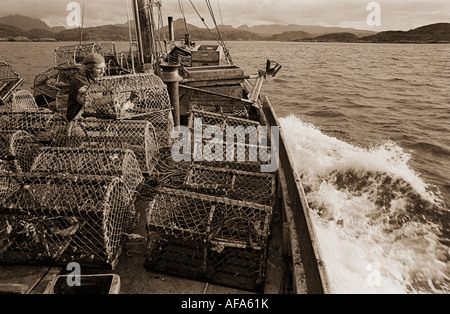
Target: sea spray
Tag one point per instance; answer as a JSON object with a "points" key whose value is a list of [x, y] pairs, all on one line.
{"points": [[378, 223]]}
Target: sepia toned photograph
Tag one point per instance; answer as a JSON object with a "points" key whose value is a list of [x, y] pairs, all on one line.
{"points": [[222, 154]]}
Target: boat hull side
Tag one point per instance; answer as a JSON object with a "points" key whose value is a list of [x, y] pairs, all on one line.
{"points": [[309, 269]]}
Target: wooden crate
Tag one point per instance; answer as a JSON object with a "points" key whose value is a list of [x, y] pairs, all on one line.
{"points": [[207, 55], [214, 75]]}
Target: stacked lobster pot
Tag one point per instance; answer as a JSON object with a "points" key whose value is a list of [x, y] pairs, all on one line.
{"points": [[67, 191], [211, 217], [138, 136], [24, 128], [53, 84], [132, 97], [74, 205]]}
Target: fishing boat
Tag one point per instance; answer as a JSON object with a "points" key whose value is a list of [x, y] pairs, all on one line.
{"points": [[149, 193]]}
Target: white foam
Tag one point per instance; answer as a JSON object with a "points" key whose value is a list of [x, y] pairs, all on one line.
{"points": [[365, 247]]}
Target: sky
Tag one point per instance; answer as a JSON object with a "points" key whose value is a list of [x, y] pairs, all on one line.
{"points": [[391, 14]]}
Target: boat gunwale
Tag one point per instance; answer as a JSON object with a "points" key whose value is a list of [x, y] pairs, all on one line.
{"points": [[310, 256]]}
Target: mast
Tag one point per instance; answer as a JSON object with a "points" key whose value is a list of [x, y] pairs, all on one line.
{"points": [[143, 13]]}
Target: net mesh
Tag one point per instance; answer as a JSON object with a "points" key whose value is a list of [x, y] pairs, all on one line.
{"points": [[74, 54], [53, 80], [74, 204], [223, 181], [21, 101], [230, 129], [9, 81], [43, 123], [126, 96], [68, 190], [115, 162], [60, 218], [137, 135], [207, 237], [18, 149]]}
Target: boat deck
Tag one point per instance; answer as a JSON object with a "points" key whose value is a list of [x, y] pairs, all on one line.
{"points": [[135, 278]]}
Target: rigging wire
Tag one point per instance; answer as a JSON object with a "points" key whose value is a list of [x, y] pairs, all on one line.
{"points": [[180, 4], [81, 27], [160, 29], [220, 12], [220, 41]]}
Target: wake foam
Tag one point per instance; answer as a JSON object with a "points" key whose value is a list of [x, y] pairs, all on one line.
{"points": [[378, 223]]}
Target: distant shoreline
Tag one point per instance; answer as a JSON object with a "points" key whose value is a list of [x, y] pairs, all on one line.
{"points": [[41, 40], [24, 29]]}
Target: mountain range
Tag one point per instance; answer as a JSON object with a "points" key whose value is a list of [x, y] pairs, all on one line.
{"points": [[21, 28]]}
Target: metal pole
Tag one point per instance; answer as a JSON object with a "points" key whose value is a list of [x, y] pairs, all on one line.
{"points": [[171, 30], [138, 31], [172, 78]]}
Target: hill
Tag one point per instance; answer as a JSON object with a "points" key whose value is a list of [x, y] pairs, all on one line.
{"points": [[289, 36], [11, 31], [19, 27], [23, 22], [100, 33], [313, 30], [334, 37], [434, 33]]}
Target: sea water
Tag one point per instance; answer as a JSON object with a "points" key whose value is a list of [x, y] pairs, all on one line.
{"points": [[368, 126]]}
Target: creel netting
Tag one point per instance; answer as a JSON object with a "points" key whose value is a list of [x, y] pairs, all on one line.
{"points": [[57, 215], [9, 81], [127, 96], [136, 135], [210, 238]]}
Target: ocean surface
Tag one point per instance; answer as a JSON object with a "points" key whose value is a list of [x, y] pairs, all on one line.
{"points": [[368, 126]]}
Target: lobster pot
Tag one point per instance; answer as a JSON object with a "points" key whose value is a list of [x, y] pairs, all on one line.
{"points": [[208, 238], [9, 81], [232, 129], [136, 135], [234, 184], [18, 149], [115, 162], [250, 158], [239, 185], [21, 101], [43, 124], [75, 54], [55, 219], [162, 121], [51, 81], [126, 96]]}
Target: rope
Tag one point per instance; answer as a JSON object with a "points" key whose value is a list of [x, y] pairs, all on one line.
{"points": [[222, 42], [220, 12], [180, 3]]}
